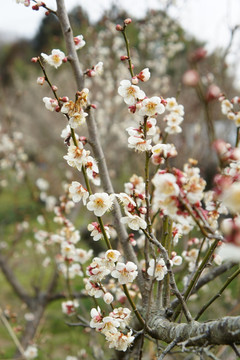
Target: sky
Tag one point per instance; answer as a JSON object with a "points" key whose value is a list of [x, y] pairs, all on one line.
{"points": [[208, 20]]}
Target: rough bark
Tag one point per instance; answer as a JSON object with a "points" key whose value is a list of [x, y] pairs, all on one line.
{"points": [[222, 331]]}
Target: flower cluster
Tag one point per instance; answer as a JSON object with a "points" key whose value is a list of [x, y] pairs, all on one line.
{"points": [[111, 327]]}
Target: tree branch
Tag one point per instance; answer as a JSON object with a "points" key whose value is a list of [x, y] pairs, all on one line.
{"points": [[216, 332], [94, 139]]}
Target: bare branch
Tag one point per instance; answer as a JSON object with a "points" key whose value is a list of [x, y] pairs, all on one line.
{"points": [[13, 281]]}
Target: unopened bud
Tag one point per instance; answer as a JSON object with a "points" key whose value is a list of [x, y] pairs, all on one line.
{"points": [[54, 88], [135, 80], [64, 99], [57, 108], [142, 210], [94, 106], [190, 78], [34, 60], [40, 80], [47, 13], [164, 102], [119, 27], [35, 7], [213, 92], [65, 59], [124, 57], [127, 21]]}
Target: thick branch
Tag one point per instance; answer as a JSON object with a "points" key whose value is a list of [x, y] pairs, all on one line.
{"points": [[216, 332], [94, 139], [12, 280]]}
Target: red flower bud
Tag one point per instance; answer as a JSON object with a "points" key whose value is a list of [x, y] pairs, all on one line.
{"points": [[119, 27], [124, 57], [34, 60], [127, 21]]}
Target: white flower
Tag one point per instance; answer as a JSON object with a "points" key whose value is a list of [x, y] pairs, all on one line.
{"points": [[139, 144], [159, 271], [82, 256], [123, 316], [96, 318], [69, 307], [130, 93], [96, 231], [119, 341], [231, 197], [78, 119], [76, 155], [93, 289], [31, 352], [97, 270], [98, 68], [135, 222], [151, 106], [79, 42], [144, 75], [125, 273], [55, 59], [108, 298], [112, 255], [226, 106], [78, 192], [50, 103], [165, 185], [99, 203], [42, 184]]}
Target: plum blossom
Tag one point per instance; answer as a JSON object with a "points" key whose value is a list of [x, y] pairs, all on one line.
{"points": [[130, 93], [165, 185], [99, 203], [108, 298], [135, 222], [231, 197], [93, 289], [144, 75], [151, 106], [79, 42], [125, 273], [139, 143], [76, 155], [159, 270], [96, 231], [55, 59], [69, 307], [78, 192], [97, 318], [50, 104], [119, 341], [31, 352]]}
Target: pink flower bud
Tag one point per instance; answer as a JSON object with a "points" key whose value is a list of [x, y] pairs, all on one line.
{"points": [[127, 21], [124, 57], [54, 87], [135, 80], [65, 59], [213, 92], [47, 13], [190, 78], [57, 108], [198, 55], [119, 27], [142, 210], [40, 80], [34, 60], [94, 106], [64, 99]]}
